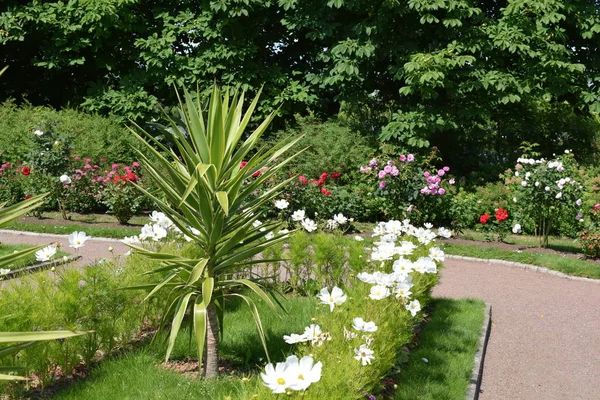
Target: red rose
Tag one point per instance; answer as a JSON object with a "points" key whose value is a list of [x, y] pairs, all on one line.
{"points": [[243, 164], [27, 196], [335, 175], [325, 192], [320, 182], [484, 218], [501, 214], [257, 174], [26, 171], [116, 179], [324, 175], [131, 177], [303, 180]]}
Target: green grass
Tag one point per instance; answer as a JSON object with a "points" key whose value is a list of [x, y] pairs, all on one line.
{"points": [[563, 264], [137, 374], [65, 229], [81, 222], [11, 248], [556, 243], [448, 342]]}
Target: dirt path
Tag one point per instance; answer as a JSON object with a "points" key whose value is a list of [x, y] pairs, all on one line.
{"points": [[545, 340]]}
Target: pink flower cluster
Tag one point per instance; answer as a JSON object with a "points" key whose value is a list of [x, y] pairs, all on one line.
{"points": [[389, 169], [432, 187]]}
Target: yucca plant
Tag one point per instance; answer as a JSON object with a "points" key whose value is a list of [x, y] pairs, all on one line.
{"points": [[210, 195], [21, 340]]}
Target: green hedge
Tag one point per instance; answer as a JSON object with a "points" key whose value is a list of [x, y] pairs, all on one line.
{"points": [[95, 136]]}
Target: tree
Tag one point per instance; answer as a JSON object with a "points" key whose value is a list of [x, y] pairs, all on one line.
{"points": [[208, 180]]}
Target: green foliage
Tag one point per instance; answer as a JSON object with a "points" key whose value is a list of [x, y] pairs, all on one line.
{"points": [[76, 299], [546, 190], [589, 237], [209, 197], [93, 136], [331, 146]]}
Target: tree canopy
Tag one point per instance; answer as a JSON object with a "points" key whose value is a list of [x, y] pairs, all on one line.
{"points": [[413, 71]]}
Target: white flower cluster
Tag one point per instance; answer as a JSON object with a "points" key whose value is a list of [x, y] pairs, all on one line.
{"points": [[292, 374], [312, 334]]}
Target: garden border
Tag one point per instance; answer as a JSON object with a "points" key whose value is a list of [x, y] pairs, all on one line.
{"points": [[479, 358], [36, 267], [531, 267]]}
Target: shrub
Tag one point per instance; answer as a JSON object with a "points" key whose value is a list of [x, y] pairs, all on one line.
{"points": [[545, 191], [589, 237], [412, 188], [332, 147], [93, 136]]}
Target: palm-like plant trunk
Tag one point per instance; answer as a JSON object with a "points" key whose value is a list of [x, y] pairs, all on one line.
{"points": [[211, 364]]}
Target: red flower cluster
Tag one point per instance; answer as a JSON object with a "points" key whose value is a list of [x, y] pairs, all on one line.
{"points": [[484, 218], [501, 214], [325, 192], [128, 177], [321, 181]]}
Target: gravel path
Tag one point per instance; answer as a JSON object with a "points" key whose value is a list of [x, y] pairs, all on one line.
{"points": [[545, 340]]}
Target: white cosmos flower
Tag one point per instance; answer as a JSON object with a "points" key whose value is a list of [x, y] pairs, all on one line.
{"points": [[298, 215], [445, 233], [312, 333], [516, 229], [428, 225], [402, 266], [279, 378], [295, 338], [331, 224], [340, 219], [436, 254], [130, 239], [358, 238], [379, 292], [309, 225], [414, 307], [64, 179], [155, 232], [364, 354], [306, 372], [366, 277], [361, 325], [4, 271], [161, 219], [281, 204], [335, 298], [403, 290], [425, 265], [46, 253], [77, 239]]}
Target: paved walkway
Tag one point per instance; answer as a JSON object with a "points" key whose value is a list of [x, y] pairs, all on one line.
{"points": [[545, 340]]}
